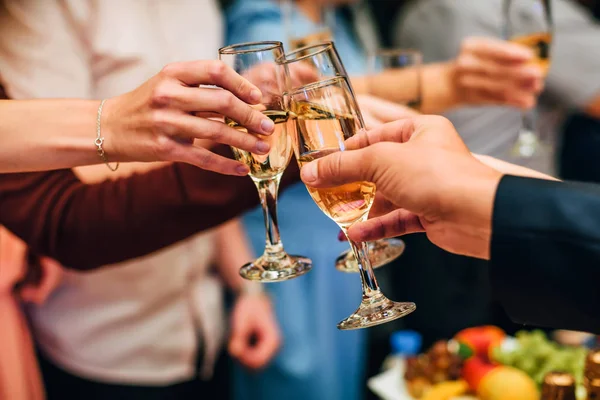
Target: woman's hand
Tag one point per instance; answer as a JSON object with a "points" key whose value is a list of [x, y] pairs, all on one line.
{"points": [[160, 119]]}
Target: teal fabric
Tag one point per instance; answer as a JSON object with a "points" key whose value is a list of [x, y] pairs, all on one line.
{"points": [[317, 360]]}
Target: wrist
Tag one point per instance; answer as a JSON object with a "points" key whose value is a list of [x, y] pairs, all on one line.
{"points": [[249, 288], [439, 88], [472, 210]]}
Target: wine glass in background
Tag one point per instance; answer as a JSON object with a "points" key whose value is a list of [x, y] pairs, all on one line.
{"points": [[385, 64], [326, 115], [302, 35], [318, 62], [529, 23], [257, 63]]}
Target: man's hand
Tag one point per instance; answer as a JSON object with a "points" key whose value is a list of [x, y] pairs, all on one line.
{"points": [[255, 336], [425, 172]]}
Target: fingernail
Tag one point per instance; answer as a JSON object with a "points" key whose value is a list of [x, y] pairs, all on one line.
{"points": [[255, 95], [309, 172], [242, 170], [263, 147], [341, 236], [267, 125]]}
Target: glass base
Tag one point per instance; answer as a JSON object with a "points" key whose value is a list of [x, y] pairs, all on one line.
{"points": [[281, 269], [527, 145], [381, 252], [376, 310]]}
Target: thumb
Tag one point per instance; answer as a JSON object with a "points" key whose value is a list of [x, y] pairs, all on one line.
{"points": [[340, 168]]}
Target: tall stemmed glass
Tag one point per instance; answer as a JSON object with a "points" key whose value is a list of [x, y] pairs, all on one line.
{"points": [[318, 62], [299, 32], [326, 115], [529, 23], [257, 63]]}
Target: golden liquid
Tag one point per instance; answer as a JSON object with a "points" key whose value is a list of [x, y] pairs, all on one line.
{"points": [[344, 204], [326, 131], [271, 165], [312, 38], [539, 43]]}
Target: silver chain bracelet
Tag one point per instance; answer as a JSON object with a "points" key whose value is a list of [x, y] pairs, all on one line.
{"points": [[100, 140]]}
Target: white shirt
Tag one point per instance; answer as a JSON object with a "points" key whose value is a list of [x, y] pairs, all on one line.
{"points": [[138, 322]]}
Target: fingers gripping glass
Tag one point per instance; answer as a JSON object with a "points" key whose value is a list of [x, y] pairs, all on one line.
{"points": [[529, 23], [256, 63], [312, 64], [325, 116]]}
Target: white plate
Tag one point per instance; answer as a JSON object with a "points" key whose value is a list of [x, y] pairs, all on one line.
{"points": [[390, 384]]}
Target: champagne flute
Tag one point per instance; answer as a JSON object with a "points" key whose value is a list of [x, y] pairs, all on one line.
{"points": [[256, 62], [326, 115], [529, 23], [323, 61], [385, 64], [299, 33]]}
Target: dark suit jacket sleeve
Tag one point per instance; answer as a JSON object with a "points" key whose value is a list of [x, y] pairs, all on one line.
{"points": [[87, 226], [545, 252]]}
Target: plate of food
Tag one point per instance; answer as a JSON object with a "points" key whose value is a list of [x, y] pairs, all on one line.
{"points": [[480, 363]]}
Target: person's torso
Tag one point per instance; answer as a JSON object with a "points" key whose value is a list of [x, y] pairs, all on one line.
{"points": [[138, 321]]}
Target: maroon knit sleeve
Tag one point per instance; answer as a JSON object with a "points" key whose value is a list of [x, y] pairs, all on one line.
{"points": [[86, 226]]}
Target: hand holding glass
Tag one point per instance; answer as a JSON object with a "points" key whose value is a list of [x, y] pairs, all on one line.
{"points": [[326, 115], [312, 64], [529, 23]]}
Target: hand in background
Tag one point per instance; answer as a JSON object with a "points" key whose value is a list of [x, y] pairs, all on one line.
{"points": [[493, 71], [255, 336]]}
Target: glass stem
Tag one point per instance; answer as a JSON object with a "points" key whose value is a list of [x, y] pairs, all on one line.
{"points": [[528, 121], [528, 140], [370, 287], [267, 190]]}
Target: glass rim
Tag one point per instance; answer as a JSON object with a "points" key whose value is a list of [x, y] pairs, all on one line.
{"points": [[319, 84], [396, 52], [243, 48], [325, 44]]}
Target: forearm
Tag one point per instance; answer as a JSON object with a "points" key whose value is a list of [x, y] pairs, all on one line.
{"points": [[233, 251], [87, 226], [544, 252], [435, 87], [47, 134]]}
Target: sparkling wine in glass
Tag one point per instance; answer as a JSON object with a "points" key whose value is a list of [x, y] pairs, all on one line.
{"points": [[529, 23], [326, 115], [312, 64], [257, 63]]}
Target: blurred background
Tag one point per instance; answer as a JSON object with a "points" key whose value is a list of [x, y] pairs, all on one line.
{"points": [[160, 327]]}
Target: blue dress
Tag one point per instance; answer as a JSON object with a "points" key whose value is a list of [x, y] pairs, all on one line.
{"points": [[317, 361]]}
